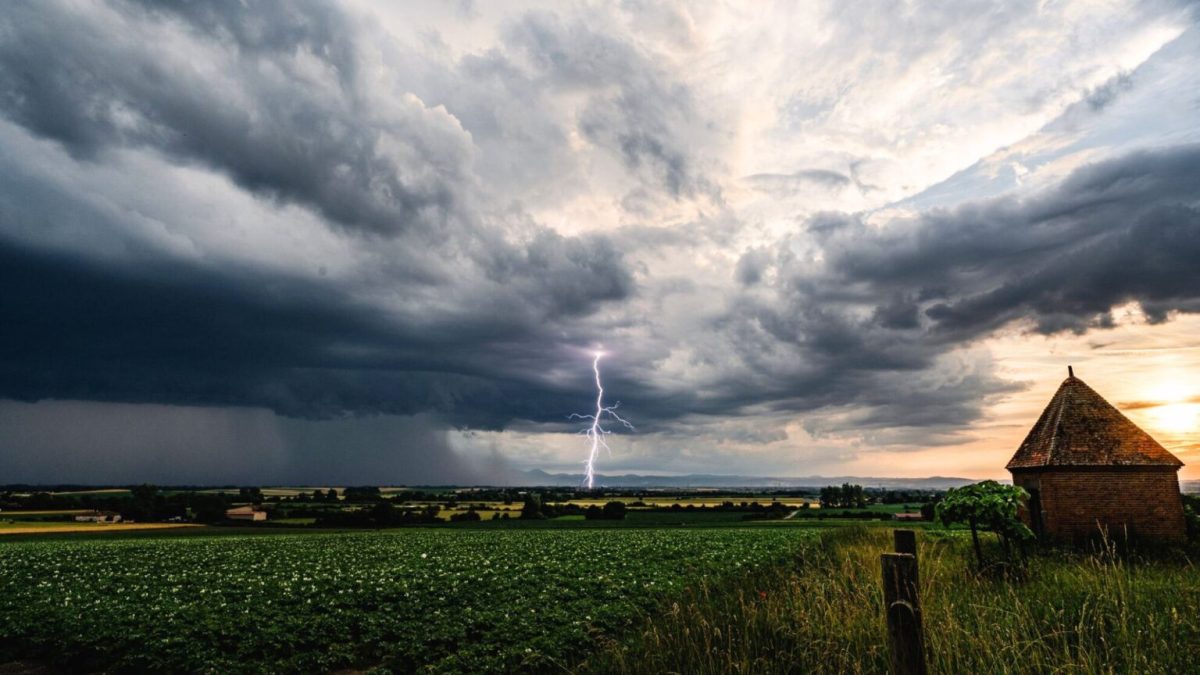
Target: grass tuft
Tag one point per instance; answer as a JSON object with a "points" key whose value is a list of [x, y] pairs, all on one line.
{"points": [[1073, 612]]}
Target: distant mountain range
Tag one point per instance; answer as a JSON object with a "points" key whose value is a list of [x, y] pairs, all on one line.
{"points": [[537, 477]]}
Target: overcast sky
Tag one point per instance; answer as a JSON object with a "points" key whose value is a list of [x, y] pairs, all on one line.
{"points": [[378, 243]]}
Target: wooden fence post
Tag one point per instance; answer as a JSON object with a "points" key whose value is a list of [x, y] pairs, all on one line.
{"points": [[906, 541], [906, 638]]}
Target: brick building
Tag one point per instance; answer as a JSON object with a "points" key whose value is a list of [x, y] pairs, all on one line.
{"points": [[1087, 466], [245, 513]]}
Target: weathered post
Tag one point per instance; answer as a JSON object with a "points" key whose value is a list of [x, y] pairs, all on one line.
{"points": [[906, 541], [902, 605]]}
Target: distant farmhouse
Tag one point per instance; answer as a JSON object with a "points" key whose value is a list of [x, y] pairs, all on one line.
{"points": [[98, 517], [1086, 467], [245, 513]]}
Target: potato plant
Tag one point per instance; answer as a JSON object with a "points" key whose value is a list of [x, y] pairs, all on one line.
{"points": [[404, 600]]}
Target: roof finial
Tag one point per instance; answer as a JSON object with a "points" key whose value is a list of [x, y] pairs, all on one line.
{"points": [[1070, 371]]}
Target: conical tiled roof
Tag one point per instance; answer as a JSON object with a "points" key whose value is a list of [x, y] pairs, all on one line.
{"points": [[1080, 428]]}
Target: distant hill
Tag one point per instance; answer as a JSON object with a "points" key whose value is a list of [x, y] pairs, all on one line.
{"points": [[538, 477]]}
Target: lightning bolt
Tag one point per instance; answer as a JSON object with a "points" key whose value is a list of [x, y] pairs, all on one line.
{"points": [[595, 432]]}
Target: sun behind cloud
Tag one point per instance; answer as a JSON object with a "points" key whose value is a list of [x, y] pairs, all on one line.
{"points": [[1178, 410]]}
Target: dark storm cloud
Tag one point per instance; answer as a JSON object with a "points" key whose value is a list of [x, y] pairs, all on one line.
{"points": [[1123, 230], [859, 315], [828, 362], [166, 333], [65, 77], [457, 308]]}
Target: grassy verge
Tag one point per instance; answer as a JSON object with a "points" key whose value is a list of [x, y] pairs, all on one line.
{"points": [[1075, 613]]}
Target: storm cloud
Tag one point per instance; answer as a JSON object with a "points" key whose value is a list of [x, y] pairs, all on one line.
{"points": [[1118, 231], [435, 292], [338, 224], [835, 315]]}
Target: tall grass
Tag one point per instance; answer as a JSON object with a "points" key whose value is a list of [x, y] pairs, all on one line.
{"points": [[1073, 612]]}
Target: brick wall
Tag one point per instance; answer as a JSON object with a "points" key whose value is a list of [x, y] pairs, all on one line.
{"points": [[1076, 502]]}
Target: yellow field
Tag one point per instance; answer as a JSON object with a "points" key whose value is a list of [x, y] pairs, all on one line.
{"points": [[286, 491], [462, 505], [484, 514], [698, 502], [32, 527], [104, 491], [267, 492]]}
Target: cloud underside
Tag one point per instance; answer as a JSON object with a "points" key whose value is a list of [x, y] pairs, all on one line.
{"points": [[437, 292]]}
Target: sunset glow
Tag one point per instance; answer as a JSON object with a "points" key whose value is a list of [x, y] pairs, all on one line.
{"points": [[1171, 406], [1177, 417]]}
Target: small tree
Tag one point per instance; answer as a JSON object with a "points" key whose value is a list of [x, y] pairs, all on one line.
{"points": [[929, 509], [1191, 515], [532, 510], [614, 511], [987, 506], [383, 513], [831, 497], [853, 496]]}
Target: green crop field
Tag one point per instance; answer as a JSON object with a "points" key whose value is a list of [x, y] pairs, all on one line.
{"points": [[457, 600]]}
